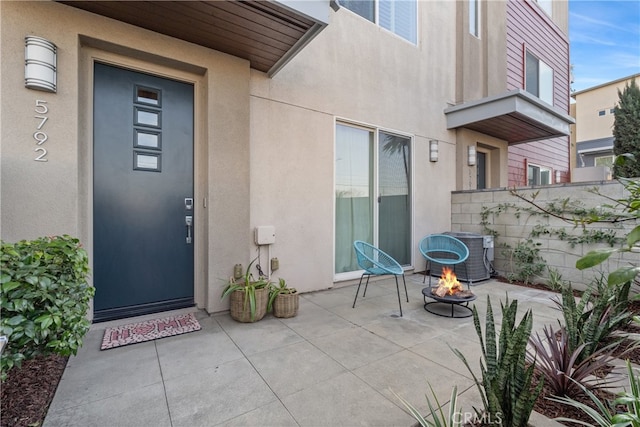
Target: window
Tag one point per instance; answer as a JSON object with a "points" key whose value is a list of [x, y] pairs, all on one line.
{"points": [[474, 17], [372, 194], [539, 79], [399, 16], [612, 110], [546, 5], [538, 175], [601, 113], [604, 161], [481, 170]]}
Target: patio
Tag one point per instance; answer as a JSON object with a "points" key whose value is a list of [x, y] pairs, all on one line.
{"points": [[331, 365]]}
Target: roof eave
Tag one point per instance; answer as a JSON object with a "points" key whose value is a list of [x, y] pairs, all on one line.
{"points": [[515, 116]]}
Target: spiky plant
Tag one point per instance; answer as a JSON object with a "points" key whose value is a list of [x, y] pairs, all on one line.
{"points": [[593, 319], [438, 417], [506, 386], [626, 405], [559, 365]]}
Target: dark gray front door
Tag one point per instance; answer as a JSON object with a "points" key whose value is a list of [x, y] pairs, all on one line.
{"points": [[142, 193]]}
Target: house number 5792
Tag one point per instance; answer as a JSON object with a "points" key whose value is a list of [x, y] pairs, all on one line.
{"points": [[40, 135]]}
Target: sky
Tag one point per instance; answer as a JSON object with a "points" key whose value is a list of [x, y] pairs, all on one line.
{"points": [[604, 40]]}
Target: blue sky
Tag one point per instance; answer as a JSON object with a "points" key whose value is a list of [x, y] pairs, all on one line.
{"points": [[604, 38]]}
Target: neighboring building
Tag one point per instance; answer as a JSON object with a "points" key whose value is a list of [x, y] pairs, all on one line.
{"points": [[594, 114], [513, 84], [178, 128]]}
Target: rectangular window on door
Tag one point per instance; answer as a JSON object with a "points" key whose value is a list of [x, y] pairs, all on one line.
{"points": [[372, 194]]}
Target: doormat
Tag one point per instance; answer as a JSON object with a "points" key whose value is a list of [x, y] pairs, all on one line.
{"points": [[149, 330]]}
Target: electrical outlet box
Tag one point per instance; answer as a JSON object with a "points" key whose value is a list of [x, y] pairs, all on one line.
{"points": [[265, 235]]}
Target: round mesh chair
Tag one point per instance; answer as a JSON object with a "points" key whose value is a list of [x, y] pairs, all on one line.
{"points": [[375, 262], [443, 249]]}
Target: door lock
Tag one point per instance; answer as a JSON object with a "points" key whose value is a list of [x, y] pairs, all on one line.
{"points": [[189, 222], [188, 203]]}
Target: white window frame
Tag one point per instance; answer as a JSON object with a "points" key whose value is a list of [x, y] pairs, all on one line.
{"points": [[376, 19], [546, 6], [538, 170], [474, 18], [545, 77]]}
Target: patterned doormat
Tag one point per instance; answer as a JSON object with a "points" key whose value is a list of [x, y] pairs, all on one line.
{"points": [[149, 330]]}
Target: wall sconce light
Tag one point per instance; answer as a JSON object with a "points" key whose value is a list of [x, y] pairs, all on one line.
{"points": [[558, 177], [433, 150], [40, 64], [471, 155]]}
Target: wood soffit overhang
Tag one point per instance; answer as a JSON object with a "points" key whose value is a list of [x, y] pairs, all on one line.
{"points": [[265, 33], [515, 116]]}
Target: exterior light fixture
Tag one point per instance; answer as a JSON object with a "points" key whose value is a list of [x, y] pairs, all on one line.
{"points": [[471, 155], [433, 150], [40, 64], [557, 177]]}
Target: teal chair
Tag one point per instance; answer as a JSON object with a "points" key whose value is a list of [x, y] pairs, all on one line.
{"points": [[375, 262], [445, 250]]}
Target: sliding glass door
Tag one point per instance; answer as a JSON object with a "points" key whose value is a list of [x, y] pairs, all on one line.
{"points": [[373, 194], [394, 197]]}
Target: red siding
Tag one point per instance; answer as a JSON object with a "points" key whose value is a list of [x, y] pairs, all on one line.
{"points": [[551, 153], [529, 28]]}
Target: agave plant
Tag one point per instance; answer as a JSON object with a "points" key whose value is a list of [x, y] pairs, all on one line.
{"points": [[559, 365], [438, 417], [506, 386]]}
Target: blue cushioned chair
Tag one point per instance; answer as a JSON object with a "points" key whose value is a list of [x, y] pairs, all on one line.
{"points": [[444, 249], [375, 262]]}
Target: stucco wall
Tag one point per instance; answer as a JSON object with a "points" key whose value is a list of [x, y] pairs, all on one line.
{"points": [[358, 72], [467, 206], [54, 197], [264, 148], [590, 125]]}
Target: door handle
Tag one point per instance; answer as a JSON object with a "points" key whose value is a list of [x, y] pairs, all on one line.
{"points": [[189, 222]]}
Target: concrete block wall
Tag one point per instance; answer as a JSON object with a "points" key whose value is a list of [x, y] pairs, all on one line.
{"points": [[466, 208]]}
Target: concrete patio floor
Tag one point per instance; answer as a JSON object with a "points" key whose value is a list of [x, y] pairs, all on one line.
{"points": [[332, 365]]}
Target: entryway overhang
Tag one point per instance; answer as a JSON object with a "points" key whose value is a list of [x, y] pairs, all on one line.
{"points": [[266, 33], [515, 116]]}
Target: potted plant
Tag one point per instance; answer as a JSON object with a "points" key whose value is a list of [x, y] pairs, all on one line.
{"points": [[248, 298], [283, 300]]}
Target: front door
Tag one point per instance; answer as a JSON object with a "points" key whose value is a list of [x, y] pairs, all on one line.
{"points": [[143, 207]]}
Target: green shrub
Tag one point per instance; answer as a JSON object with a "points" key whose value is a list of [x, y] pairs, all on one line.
{"points": [[527, 261], [44, 298]]}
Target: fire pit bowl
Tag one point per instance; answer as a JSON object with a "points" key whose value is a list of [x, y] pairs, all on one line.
{"points": [[460, 299]]}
